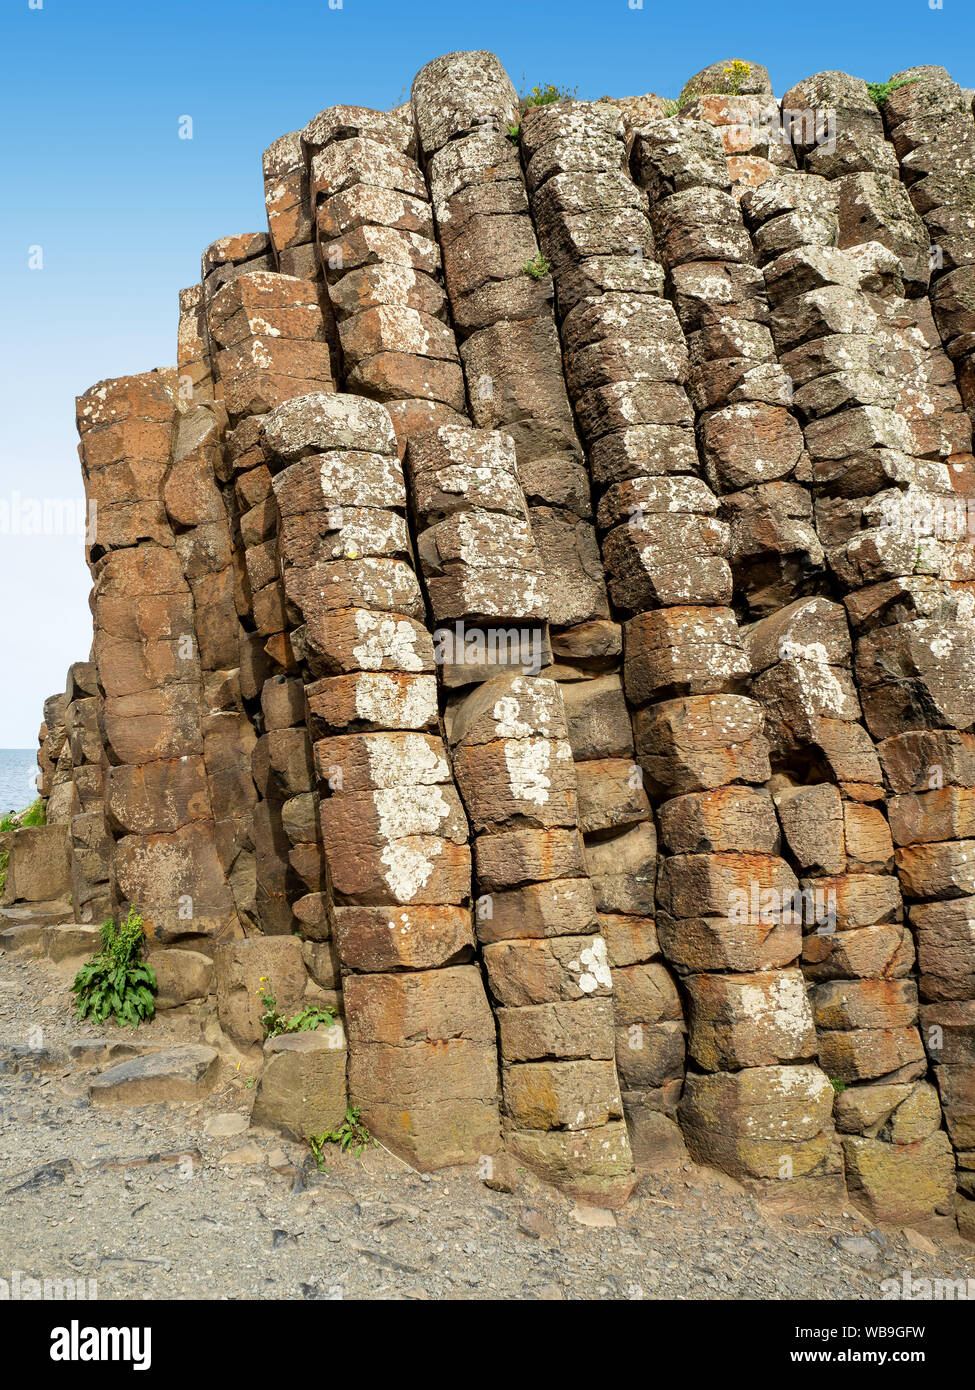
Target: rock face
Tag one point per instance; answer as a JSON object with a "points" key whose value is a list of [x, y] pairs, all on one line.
{"points": [[536, 619]]}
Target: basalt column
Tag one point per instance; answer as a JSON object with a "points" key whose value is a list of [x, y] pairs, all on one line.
{"points": [[500, 293], [269, 337], [166, 857], [914, 618], [546, 963], [626, 363], [595, 237], [90, 838], [422, 1053], [929, 122], [375, 234], [799, 653], [463, 104], [827, 305]]}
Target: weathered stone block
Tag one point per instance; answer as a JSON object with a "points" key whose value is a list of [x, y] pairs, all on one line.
{"points": [[302, 1090], [750, 1122]]}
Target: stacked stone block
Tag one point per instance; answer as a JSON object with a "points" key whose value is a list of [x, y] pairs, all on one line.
{"points": [[546, 963], [849, 339], [90, 838], [499, 291], [637, 423], [929, 124], [166, 857], [711, 398], [595, 238], [422, 1054], [376, 243]]}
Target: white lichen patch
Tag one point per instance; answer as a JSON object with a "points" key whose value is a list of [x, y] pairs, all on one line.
{"points": [[386, 638], [389, 704], [528, 762], [409, 865], [405, 760]]}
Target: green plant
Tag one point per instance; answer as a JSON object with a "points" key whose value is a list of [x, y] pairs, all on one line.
{"points": [[537, 267], [880, 91], [736, 74], [4, 864], [116, 981], [351, 1134], [514, 133], [34, 814], [838, 1086], [671, 108], [545, 96], [274, 1022]]}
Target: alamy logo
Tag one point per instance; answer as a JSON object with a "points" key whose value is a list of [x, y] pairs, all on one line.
{"points": [[924, 1290], [489, 646], [21, 1287], [77, 1343]]}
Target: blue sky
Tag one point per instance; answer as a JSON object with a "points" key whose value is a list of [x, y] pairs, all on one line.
{"points": [[97, 177]]}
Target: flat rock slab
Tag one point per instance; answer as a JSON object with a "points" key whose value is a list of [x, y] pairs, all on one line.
{"points": [[69, 939], [174, 1074], [20, 1058], [95, 1052], [225, 1125], [36, 916], [21, 935]]}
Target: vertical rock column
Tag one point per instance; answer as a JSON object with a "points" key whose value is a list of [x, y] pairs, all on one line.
{"points": [[593, 231], [203, 539], [464, 104], [291, 223], [270, 340], [165, 858], [193, 353], [546, 962], [375, 233], [826, 304], [500, 295], [800, 658], [50, 741], [915, 652], [929, 122], [931, 774], [749, 445], [422, 1054], [91, 842], [291, 228], [56, 749], [626, 362]]}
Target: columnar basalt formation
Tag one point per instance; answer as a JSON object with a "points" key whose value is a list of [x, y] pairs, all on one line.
{"points": [[758, 1015], [891, 453], [535, 619], [929, 123], [545, 959], [799, 655]]}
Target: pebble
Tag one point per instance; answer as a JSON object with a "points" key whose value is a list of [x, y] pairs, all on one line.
{"points": [[373, 1230]]}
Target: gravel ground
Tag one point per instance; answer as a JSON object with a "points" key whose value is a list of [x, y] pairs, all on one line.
{"points": [[149, 1204]]}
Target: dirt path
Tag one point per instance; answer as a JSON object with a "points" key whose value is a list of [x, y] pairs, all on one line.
{"points": [[148, 1204]]}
